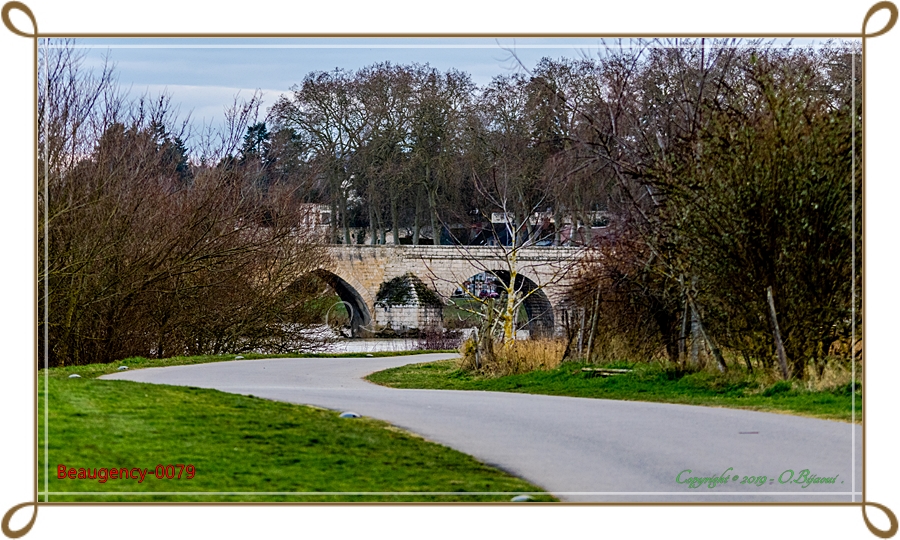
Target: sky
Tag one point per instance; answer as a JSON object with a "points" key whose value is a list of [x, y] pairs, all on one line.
{"points": [[203, 76]]}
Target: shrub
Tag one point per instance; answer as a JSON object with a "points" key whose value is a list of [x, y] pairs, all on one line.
{"points": [[435, 339]]}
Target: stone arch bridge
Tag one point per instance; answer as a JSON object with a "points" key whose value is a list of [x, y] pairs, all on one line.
{"points": [[357, 272]]}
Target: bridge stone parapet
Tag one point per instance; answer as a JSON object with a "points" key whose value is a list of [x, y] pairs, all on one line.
{"points": [[357, 272]]}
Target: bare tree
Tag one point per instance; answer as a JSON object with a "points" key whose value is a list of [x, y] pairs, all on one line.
{"points": [[327, 108], [149, 254]]}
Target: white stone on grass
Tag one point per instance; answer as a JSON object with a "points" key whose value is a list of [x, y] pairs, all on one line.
{"points": [[123, 368], [238, 357], [349, 414], [74, 376], [522, 498]]}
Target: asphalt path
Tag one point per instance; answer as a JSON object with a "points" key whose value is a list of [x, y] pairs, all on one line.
{"points": [[580, 449]]}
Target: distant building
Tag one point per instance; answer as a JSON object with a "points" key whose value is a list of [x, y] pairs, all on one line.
{"points": [[317, 217]]}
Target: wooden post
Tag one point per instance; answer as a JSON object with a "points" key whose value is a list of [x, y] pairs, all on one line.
{"points": [[590, 346], [779, 345], [682, 341], [581, 335]]}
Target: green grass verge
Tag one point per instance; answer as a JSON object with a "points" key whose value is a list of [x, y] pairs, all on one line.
{"points": [[244, 444], [137, 362], [648, 382]]}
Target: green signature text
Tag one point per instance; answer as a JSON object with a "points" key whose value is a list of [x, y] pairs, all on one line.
{"points": [[804, 479]]}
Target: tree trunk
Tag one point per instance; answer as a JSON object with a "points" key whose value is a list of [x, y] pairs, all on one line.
{"points": [[484, 344], [380, 228], [572, 335], [682, 341], [557, 226], [526, 228], [432, 206], [747, 361], [344, 225], [776, 332], [333, 222], [477, 349], [395, 219], [695, 328], [435, 228], [372, 231], [665, 321], [695, 339], [717, 354], [588, 233], [509, 310], [415, 238]]}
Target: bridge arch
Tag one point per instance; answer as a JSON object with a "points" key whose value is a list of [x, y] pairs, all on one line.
{"points": [[537, 305], [360, 315]]}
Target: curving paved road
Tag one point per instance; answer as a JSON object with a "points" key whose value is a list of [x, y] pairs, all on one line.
{"points": [[584, 450]]}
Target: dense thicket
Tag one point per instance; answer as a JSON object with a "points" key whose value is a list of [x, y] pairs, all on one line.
{"points": [[736, 169]]}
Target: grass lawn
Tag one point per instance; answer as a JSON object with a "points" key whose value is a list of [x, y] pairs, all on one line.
{"points": [[242, 444], [647, 382]]}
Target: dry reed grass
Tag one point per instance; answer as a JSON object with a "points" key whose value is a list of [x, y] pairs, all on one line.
{"points": [[835, 375], [516, 357]]}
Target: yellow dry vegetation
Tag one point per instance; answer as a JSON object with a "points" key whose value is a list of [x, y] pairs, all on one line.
{"points": [[515, 357]]}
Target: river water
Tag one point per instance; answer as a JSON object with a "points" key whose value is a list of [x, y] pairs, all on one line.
{"points": [[371, 345], [361, 345], [338, 344]]}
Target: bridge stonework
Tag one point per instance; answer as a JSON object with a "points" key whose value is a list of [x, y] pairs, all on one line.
{"points": [[363, 269]]}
